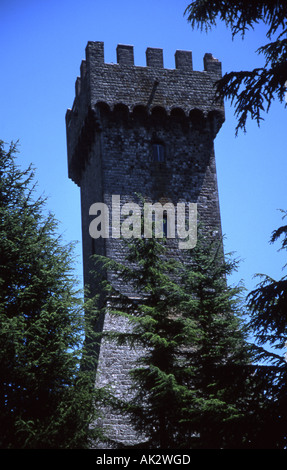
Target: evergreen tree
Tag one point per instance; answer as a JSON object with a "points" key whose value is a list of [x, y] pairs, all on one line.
{"points": [[252, 91], [46, 400], [267, 305], [187, 323], [221, 352]]}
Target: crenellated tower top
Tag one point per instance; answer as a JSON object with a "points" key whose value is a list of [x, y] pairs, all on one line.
{"points": [[141, 88]]}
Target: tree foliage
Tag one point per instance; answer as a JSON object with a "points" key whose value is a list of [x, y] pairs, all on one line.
{"points": [[268, 308], [187, 322], [253, 91], [267, 305], [46, 400]]}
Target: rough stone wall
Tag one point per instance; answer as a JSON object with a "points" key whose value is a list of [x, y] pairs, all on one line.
{"points": [[120, 111]]}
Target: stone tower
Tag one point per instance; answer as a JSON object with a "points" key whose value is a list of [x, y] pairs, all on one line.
{"points": [[147, 130]]}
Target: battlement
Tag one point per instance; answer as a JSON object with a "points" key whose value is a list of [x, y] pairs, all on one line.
{"points": [[154, 57], [132, 85], [146, 88]]}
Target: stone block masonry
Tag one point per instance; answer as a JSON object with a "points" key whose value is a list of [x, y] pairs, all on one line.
{"points": [[148, 130]]}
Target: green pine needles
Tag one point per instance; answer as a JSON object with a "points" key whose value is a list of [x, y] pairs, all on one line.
{"points": [[186, 320], [251, 91], [46, 399]]}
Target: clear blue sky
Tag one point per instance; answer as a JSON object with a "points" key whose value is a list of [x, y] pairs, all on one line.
{"points": [[42, 45]]}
